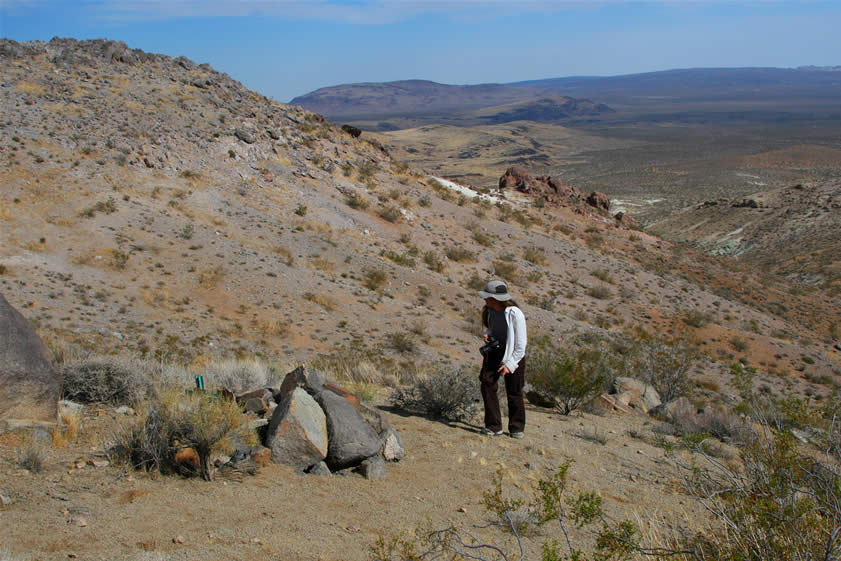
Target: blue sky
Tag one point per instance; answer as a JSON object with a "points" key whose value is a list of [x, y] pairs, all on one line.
{"points": [[285, 48]]}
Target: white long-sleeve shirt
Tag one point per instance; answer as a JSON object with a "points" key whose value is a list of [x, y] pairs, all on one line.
{"points": [[515, 344]]}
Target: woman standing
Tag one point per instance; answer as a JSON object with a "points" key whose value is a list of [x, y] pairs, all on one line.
{"points": [[503, 355]]}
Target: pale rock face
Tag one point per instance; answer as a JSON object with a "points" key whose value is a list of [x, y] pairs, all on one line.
{"points": [[297, 432]]}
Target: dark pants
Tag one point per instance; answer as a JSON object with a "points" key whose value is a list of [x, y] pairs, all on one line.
{"points": [[489, 378]]}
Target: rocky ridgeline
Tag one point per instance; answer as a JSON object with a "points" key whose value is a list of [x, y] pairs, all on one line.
{"points": [[147, 110], [556, 191]]}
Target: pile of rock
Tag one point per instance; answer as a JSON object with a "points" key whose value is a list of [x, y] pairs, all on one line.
{"points": [[629, 395], [318, 427]]}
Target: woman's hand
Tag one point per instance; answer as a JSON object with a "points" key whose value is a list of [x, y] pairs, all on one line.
{"points": [[485, 337], [503, 370]]}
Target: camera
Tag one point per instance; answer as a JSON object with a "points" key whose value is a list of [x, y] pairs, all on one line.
{"points": [[491, 345]]}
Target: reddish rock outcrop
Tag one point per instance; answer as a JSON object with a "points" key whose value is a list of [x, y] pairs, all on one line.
{"points": [[552, 189], [598, 200]]}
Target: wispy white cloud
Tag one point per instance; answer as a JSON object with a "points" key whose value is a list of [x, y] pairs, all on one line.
{"points": [[337, 11]]}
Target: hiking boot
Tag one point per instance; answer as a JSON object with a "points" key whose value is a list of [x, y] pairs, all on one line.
{"points": [[488, 432], [517, 435]]}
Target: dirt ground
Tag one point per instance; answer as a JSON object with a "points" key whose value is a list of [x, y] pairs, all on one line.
{"points": [[71, 509]]}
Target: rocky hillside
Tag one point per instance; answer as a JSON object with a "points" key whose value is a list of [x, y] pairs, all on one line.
{"points": [[155, 206], [794, 231]]}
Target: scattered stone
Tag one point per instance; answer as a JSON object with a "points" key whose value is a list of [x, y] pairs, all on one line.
{"points": [[372, 468], [261, 455], [245, 136], [393, 449], [124, 410], [676, 411], [319, 469], [99, 463], [633, 386], [178, 539]]}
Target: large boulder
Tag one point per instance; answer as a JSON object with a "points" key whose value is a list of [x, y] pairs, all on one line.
{"points": [[30, 386], [306, 378], [297, 432], [351, 438], [598, 200]]}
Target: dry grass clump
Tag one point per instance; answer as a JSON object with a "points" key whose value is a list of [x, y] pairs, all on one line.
{"points": [[239, 376], [461, 255], [113, 380], [33, 454], [175, 420], [450, 395]]}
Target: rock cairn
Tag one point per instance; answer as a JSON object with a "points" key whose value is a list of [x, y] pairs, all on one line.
{"points": [[319, 428]]}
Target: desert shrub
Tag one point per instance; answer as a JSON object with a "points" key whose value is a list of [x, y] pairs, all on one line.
{"points": [[356, 201], [600, 292], [174, 420], [443, 394], [239, 376], [460, 255], [32, 454], [504, 268], [433, 261], [665, 365], [390, 213], [535, 255], [365, 170], [402, 342], [572, 376], [604, 276], [111, 380], [119, 259], [781, 504], [373, 279], [546, 502], [696, 318], [400, 258]]}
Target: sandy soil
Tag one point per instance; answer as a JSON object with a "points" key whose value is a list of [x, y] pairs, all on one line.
{"points": [[72, 509]]}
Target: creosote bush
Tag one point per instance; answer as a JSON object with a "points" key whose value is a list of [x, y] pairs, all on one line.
{"points": [[548, 503], [443, 394], [572, 376]]}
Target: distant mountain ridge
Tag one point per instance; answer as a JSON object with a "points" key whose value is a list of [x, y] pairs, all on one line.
{"points": [[821, 85], [422, 97]]}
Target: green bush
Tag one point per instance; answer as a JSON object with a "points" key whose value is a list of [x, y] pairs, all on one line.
{"points": [[433, 261], [374, 278], [665, 364], [390, 213], [782, 504], [572, 376]]}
